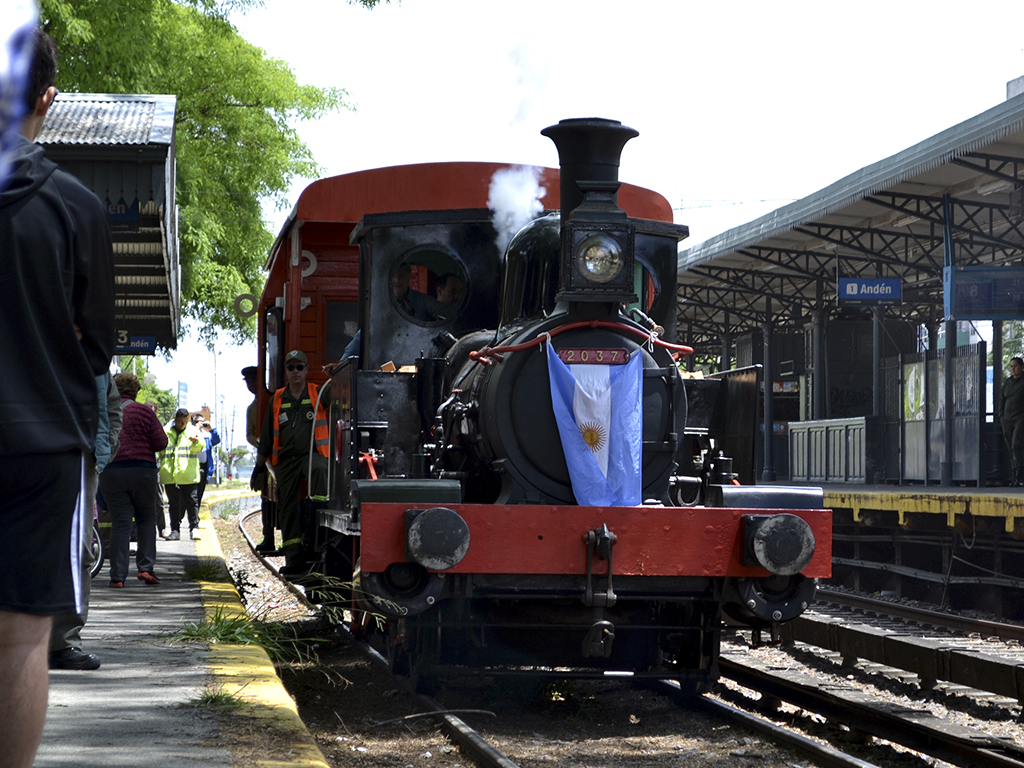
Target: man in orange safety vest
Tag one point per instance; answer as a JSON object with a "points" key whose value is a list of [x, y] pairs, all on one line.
{"points": [[294, 436]]}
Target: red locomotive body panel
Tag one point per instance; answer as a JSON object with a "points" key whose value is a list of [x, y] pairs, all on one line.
{"points": [[652, 541]]}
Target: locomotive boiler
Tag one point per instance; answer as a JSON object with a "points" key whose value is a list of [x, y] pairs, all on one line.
{"points": [[523, 480]]}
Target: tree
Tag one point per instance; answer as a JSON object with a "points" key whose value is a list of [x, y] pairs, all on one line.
{"points": [[235, 142], [166, 400], [236, 457]]}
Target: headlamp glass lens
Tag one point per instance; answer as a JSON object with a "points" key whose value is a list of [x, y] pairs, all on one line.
{"points": [[599, 258]]}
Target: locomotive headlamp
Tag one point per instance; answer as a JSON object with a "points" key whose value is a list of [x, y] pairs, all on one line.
{"points": [[598, 243], [600, 258], [597, 260]]}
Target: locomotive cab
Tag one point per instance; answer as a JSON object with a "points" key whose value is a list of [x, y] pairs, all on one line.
{"points": [[402, 259]]}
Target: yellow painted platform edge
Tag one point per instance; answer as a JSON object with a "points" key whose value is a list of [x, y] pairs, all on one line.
{"points": [[247, 672], [1008, 506]]}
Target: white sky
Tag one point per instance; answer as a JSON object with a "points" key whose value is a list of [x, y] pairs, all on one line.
{"points": [[741, 106]]}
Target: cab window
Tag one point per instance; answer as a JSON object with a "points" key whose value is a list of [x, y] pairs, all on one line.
{"points": [[429, 287]]}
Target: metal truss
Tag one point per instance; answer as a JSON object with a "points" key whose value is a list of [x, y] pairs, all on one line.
{"points": [[906, 241]]}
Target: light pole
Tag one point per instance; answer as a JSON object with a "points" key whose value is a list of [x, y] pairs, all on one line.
{"points": [[216, 414]]}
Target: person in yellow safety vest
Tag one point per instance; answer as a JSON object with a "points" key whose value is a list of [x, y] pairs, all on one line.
{"points": [[179, 472], [292, 421]]}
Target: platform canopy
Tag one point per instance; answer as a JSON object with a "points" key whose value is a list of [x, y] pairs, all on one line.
{"points": [[122, 148], [887, 220]]}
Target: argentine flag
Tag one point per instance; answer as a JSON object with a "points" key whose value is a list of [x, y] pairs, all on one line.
{"points": [[597, 409]]}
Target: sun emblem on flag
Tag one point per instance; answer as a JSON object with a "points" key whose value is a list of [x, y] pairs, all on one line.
{"points": [[594, 435]]}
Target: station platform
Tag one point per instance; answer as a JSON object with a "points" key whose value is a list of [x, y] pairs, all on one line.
{"points": [[139, 707], [999, 505]]}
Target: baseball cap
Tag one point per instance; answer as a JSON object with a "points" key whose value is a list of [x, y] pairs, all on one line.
{"points": [[250, 370], [296, 354]]}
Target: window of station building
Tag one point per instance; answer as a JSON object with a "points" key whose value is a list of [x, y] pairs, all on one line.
{"points": [[429, 287]]}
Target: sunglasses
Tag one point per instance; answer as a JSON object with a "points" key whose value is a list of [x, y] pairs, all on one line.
{"points": [[295, 367]]}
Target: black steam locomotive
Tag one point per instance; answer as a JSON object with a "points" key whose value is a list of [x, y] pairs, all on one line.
{"points": [[523, 481]]}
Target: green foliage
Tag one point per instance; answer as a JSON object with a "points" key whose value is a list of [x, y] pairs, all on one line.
{"points": [[206, 569], [227, 508], [282, 642], [216, 698], [1013, 343], [166, 400], [239, 454], [235, 142]]}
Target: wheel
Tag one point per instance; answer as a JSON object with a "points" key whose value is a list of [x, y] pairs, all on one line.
{"points": [[412, 653], [97, 550]]}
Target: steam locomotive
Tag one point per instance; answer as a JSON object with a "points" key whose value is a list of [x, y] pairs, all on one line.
{"points": [[522, 479]]}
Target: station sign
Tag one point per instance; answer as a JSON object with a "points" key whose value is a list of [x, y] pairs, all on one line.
{"points": [[983, 293], [123, 216], [870, 291], [126, 344]]}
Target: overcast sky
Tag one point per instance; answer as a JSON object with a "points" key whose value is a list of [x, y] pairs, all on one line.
{"points": [[742, 107], [735, 102]]}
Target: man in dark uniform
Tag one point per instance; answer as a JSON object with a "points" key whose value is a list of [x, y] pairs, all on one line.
{"points": [[252, 435], [294, 429], [1012, 419]]}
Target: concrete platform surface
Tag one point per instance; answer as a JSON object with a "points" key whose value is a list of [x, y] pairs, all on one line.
{"points": [[139, 708]]}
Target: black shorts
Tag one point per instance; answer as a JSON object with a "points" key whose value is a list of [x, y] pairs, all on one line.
{"points": [[43, 522]]}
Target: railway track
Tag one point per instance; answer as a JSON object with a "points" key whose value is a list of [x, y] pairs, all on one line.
{"points": [[943, 651], [850, 641], [482, 751], [864, 713]]}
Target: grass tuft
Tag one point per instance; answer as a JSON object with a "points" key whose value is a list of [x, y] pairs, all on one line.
{"points": [[206, 569], [215, 698], [282, 642]]}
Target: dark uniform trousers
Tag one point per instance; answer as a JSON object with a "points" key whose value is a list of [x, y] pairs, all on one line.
{"points": [[290, 472]]}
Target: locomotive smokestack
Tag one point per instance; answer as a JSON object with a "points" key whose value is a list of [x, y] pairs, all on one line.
{"points": [[588, 150]]}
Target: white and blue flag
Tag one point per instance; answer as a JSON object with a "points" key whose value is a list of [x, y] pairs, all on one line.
{"points": [[597, 409], [17, 26]]}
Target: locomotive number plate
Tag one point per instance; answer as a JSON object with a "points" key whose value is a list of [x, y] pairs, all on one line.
{"points": [[578, 356]]}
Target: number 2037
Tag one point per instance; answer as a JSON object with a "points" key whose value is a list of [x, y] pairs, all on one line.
{"points": [[577, 356]]}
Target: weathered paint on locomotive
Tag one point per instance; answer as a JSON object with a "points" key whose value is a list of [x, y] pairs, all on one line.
{"points": [[534, 539]]}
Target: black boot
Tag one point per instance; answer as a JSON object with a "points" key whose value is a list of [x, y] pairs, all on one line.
{"points": [[268, 549]]}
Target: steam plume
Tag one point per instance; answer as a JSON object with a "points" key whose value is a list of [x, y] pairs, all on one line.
{"points": [[514, 200]]}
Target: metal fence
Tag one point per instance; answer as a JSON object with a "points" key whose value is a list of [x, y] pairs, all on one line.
{"points": [[908, 443]]}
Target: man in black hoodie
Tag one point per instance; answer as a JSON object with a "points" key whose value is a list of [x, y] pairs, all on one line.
{"points": [[56, 336]]}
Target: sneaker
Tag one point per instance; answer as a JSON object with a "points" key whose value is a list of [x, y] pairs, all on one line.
{"points": [[194, 534], [117, 584], [73, 658], [148, 577], [175, 536], [163, 534]]}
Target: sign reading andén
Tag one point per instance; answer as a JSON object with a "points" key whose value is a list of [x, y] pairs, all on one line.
{"points": [[127, 344], [870, 290]]}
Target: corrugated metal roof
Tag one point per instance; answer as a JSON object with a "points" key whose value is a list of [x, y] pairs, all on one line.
{"points": [[100, 118]]}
